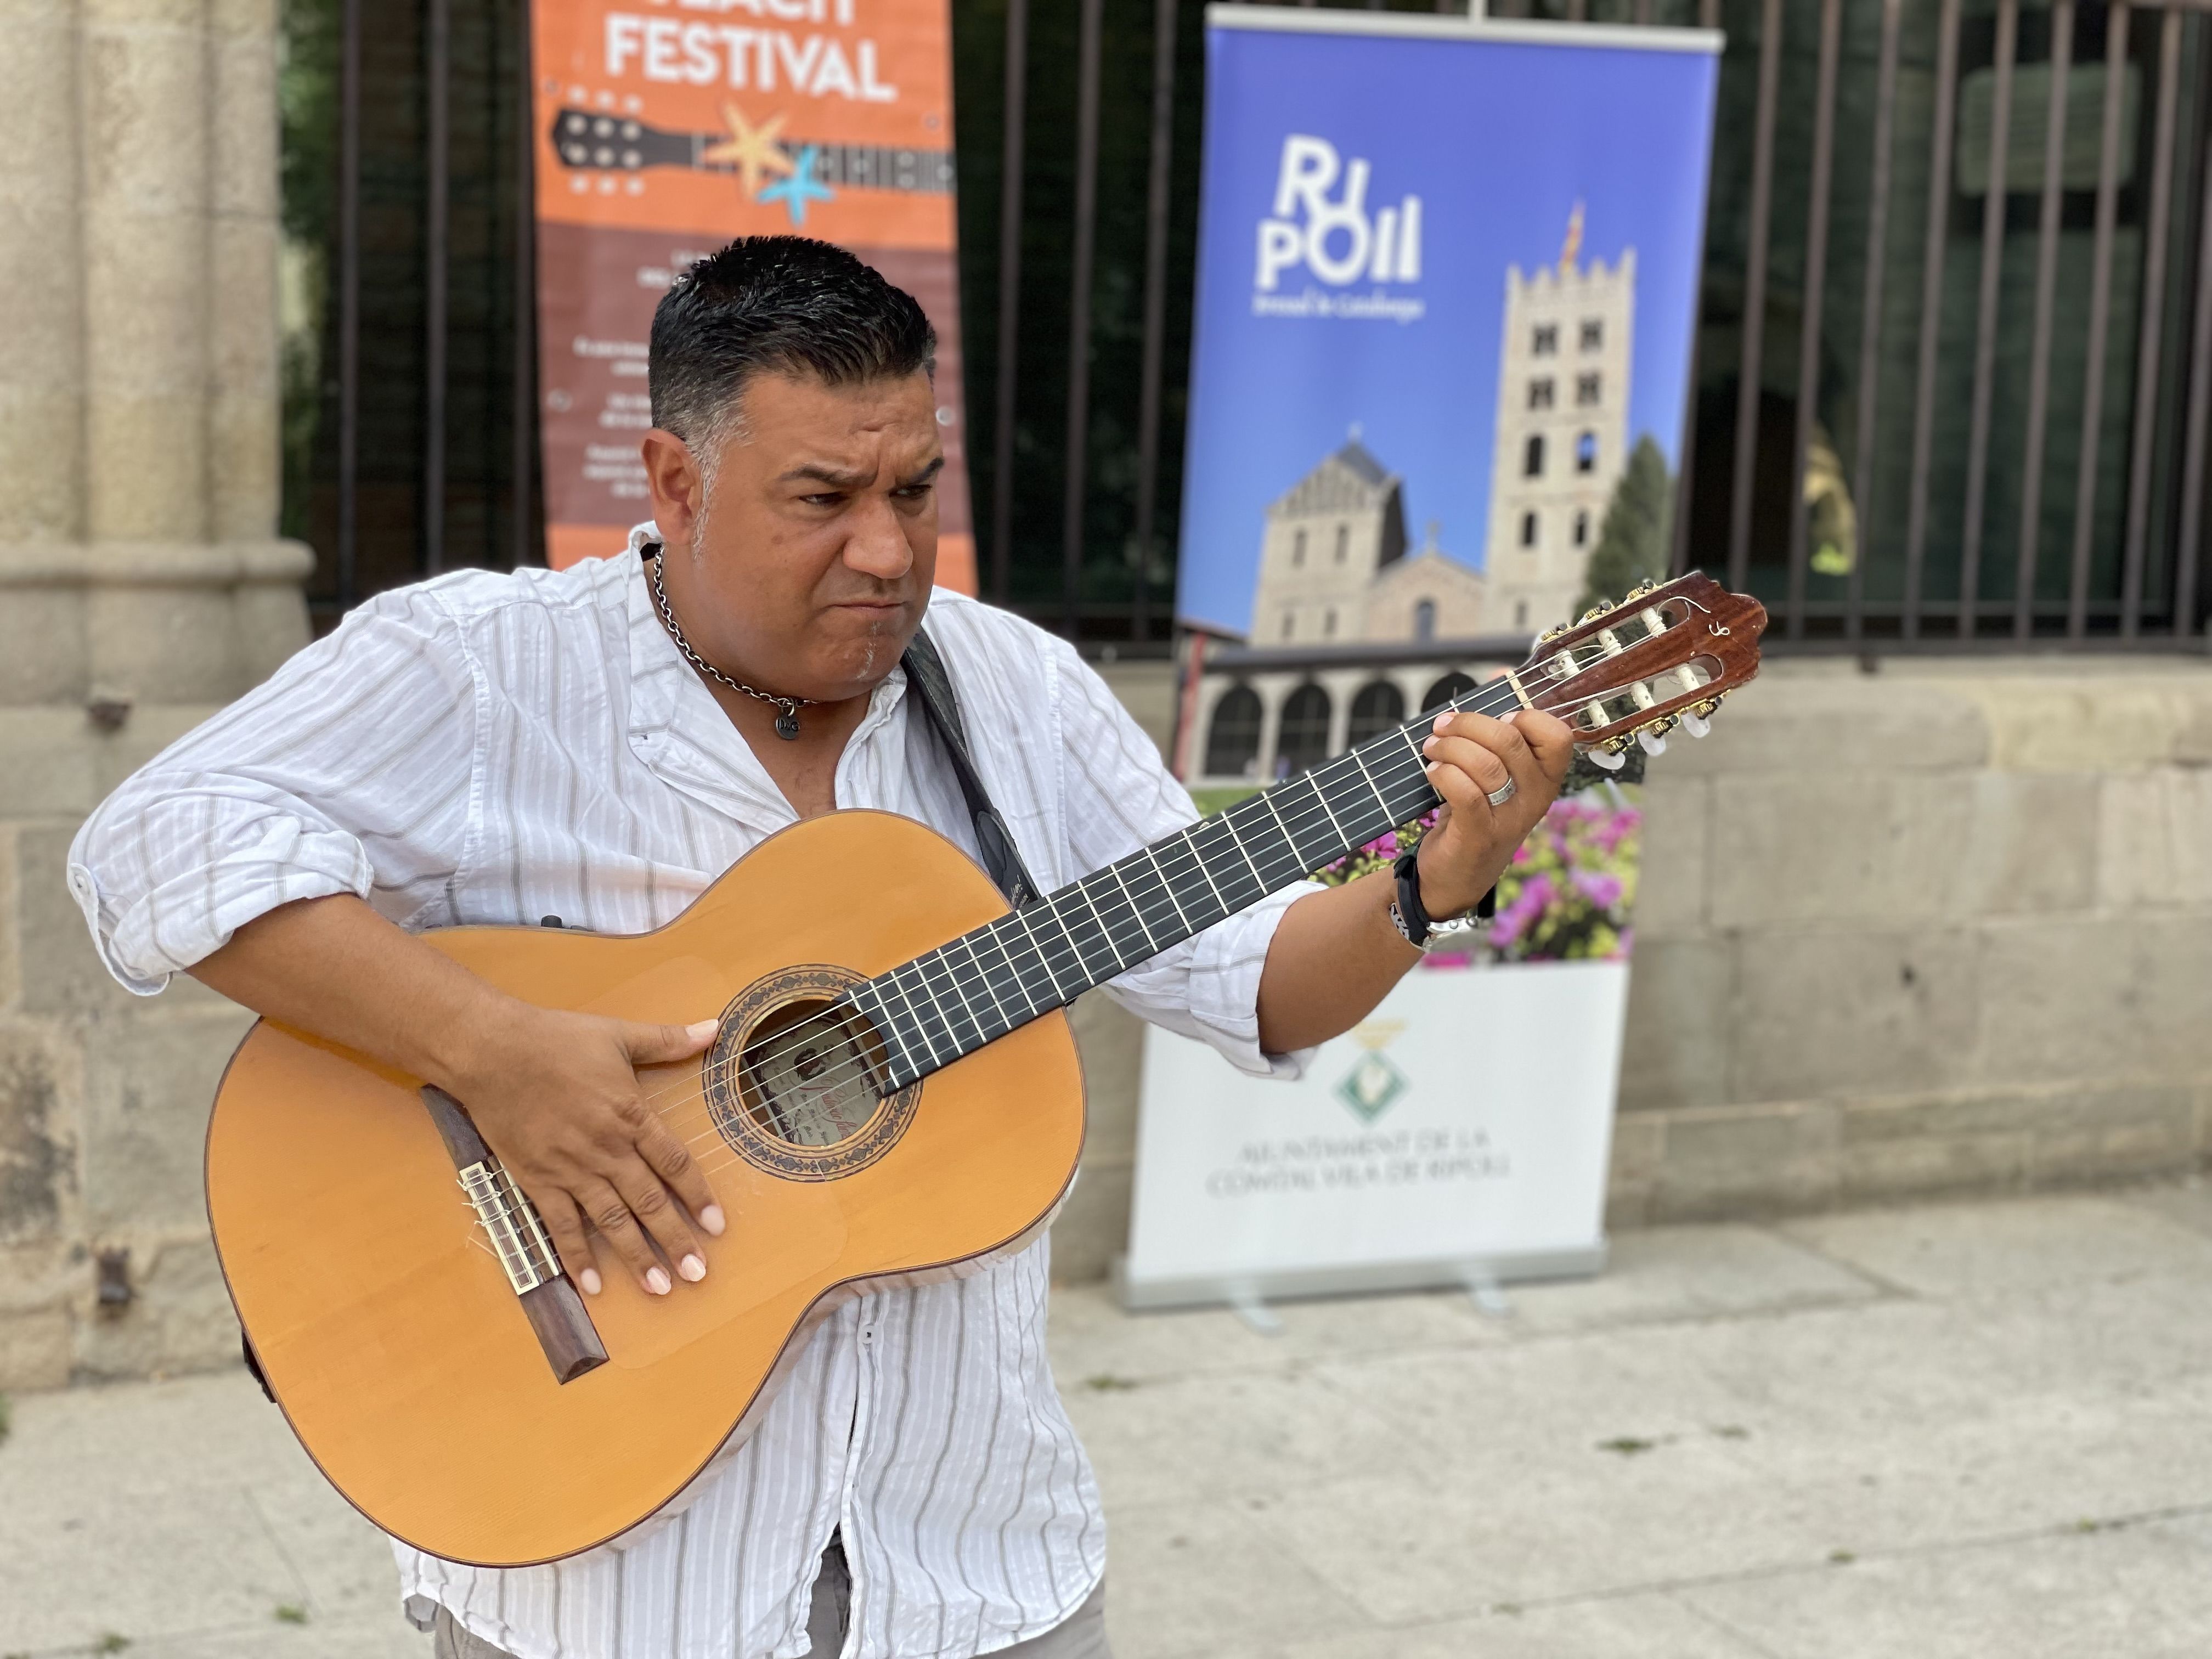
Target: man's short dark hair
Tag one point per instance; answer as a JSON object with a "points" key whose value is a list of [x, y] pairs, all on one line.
{"points": [[776, 305]]}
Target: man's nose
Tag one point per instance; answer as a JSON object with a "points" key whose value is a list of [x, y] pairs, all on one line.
{"points": [[877, 545]]}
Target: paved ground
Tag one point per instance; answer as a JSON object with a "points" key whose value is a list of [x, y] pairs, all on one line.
{"points": [[1971, 1431]]}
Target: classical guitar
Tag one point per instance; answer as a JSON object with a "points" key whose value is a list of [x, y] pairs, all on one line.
{"points": [[893, 1096]]}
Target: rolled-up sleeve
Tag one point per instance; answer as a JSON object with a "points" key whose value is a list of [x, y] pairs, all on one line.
{"points": [[349, 771], [1119, 797]]}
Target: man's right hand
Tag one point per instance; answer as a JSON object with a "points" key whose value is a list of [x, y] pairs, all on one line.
{"points": [[558, 1097]]}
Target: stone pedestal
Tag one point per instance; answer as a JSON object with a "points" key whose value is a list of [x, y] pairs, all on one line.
{"points": [[141, 588]]}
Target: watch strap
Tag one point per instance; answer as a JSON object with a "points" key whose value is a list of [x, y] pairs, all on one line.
{"points": [[1412, 919]]}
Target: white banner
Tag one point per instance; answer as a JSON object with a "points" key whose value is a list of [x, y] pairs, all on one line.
{"points": [[1406, 1155]]}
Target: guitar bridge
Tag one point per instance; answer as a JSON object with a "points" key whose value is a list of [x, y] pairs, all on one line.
{"points": [[510, 1221], [518, 1237]]}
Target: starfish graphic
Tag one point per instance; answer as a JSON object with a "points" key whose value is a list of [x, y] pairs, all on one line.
{"points": [[801, 185], [751, 150]]}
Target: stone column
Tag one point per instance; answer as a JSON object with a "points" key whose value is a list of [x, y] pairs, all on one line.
{"points": [[141, 587]]}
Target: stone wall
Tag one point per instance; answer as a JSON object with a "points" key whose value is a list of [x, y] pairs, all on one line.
{"points": [[1946, 927], [140, 590]]}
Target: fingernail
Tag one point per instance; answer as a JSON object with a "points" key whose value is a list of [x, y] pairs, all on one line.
{"points": [[656, 1281], [1509, 717], [1432, 768], [700, 1031], [692, 1269], [589, 1278], [1440, 722], [711, 1219], [1428, 745]]}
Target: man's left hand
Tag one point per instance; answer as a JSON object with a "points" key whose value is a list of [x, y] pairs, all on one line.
{"points": [[1470, 758]]}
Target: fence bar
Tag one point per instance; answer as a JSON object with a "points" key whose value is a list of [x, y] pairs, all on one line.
{"points": [[1742, 466], [523, 461], [2144, 433], [1156, 304], [2101, 305], [1816, 279], [2046, 288], [1932, 314], [1078, 310], [437, 229], [1643, 11], [349, 302], [2188, 549], [1985, 334], [2197, 426], [1709, 13], [1010, 296], [1885, 113]]}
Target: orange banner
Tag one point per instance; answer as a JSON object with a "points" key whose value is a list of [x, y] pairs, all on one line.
{"points": [[666, 127]]}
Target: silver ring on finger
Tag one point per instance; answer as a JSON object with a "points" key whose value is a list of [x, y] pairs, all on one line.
{"points": [[1503, 794]]}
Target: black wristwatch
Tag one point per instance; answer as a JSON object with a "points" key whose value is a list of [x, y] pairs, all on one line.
{"points": [[1411, 921]]}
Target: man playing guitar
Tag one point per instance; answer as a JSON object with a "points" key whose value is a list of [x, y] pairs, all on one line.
{"points": [[596, 746]]}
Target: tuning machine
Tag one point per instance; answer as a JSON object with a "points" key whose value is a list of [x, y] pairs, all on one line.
{"points": [[1551, 634]]}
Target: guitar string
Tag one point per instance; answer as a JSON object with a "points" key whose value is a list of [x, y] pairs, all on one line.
{"points": [[960, 983], [688, 1093], [1195, 857]]}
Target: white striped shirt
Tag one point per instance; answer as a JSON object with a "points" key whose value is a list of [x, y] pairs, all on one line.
{"points": [[496, 749]]}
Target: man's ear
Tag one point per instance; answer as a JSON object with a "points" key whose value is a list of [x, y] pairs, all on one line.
{"points": [[678, 490]]}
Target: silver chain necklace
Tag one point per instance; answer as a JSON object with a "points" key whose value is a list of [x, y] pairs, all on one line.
{"points": [[787, 720]]}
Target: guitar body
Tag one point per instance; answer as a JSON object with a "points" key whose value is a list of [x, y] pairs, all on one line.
{"points": [[391, 1334]]}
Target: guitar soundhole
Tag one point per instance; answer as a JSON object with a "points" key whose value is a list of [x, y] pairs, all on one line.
{"points": [[795, 1082]]}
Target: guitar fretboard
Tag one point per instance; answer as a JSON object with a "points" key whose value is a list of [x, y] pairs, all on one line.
{"points": [[984, 984]]}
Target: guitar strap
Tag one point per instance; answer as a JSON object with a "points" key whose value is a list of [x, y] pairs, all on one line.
{"points": [[926, 678]]}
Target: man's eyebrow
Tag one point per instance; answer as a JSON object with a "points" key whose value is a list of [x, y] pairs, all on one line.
{"points": [[823, 473], [925, 475]]}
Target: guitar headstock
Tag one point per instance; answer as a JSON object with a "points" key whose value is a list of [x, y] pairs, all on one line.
{"points": [[1663, 657]]}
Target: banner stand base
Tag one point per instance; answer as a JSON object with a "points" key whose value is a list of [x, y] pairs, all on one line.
{"points": [[1248, 1294]]}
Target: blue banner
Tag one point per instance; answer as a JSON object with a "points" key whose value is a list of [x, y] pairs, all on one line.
{"points": [[1447, 283]]}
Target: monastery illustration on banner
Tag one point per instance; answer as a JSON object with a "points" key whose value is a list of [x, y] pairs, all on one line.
{"points": [[1354, 626]]}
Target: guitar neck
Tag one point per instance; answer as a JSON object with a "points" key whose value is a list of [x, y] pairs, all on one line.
{"points": [[984, 984]]}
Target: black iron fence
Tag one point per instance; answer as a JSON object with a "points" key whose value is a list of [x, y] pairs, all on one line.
{"points": [[1952, 381]]}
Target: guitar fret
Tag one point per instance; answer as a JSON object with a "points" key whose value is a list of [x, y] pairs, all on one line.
{"points": [[983, 979], [952, 978], [1043, 958], [1290, 840], [881, 1020], [1190, 840], [1229, 903], [921, 1017], [1379, 799], [1112, 945], [1169, 889], [1000, 931], [1069, 926], [1228, 822], [1130, 899]]}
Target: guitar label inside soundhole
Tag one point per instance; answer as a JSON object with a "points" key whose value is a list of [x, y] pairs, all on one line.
{"points": [[794, 1081]]}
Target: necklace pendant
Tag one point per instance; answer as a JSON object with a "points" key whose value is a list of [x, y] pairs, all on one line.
{"points": [[787, 725]]}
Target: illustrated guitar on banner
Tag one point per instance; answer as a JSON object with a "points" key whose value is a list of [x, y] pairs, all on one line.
{"points": [[660, 137]]}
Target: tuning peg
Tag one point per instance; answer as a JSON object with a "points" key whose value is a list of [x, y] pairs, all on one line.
{"points": [[1695, 724], [1647, 585], [1551, 634], [1655, 743], [1607, 758], [1598, 610]]}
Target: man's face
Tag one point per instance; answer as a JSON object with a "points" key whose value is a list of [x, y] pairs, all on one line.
{"points": [[806, 569]]}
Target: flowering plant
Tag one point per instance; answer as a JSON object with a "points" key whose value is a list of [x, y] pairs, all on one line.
{"points": [[1567, 894]]}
